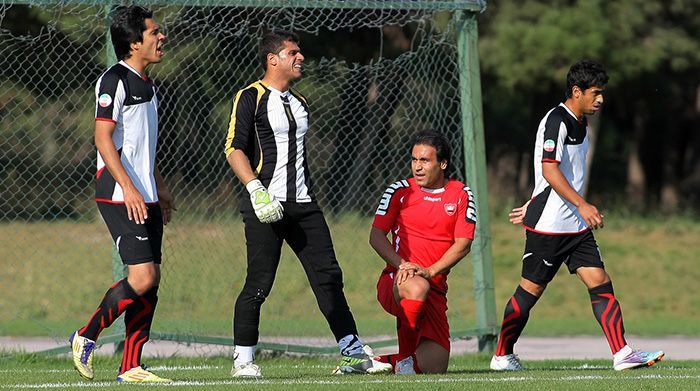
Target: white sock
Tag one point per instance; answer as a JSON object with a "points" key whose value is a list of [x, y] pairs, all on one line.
{"points": [[622, 353], [243, 355], [350, 345]]}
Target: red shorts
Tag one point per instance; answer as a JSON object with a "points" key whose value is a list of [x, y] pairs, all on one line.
{"points": [[433, 325]]}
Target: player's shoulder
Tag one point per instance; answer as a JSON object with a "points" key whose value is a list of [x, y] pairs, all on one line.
{"points": [[399, 186], [295, 93], [458, 186], [113, 75]]}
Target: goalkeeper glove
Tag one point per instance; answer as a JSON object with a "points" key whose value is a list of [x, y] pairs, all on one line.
{"points": [[266, 207]]}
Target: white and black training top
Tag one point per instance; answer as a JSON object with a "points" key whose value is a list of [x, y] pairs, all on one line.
{"points": [[128, 99], [561, 138], [270, 126]]}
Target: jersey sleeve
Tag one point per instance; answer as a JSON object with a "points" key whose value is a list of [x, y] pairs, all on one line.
{"points": [[389, 206], [110, 95], [553, 141], [242, 124], [466, 216]]}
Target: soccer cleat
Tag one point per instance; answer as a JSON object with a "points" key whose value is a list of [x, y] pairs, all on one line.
{"points": [[405, 366], [83, 350], [638, 359], [249, 370], [363, 363], [141, 375], [509, 362]]}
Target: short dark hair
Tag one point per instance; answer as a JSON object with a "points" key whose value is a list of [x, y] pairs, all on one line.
{"points": [[127, 27], [585, 74], [273, 42], [436, 140]]}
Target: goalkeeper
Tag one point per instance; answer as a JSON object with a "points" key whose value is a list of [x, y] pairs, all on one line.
{"points": [[265, 148]]}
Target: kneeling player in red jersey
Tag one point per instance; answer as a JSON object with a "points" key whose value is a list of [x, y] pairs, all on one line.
{"points": [[432, 220]]}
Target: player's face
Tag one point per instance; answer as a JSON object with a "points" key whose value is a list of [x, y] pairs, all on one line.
{"points": [[427, 171], [150, 49], [590, 100], [290, 61]]}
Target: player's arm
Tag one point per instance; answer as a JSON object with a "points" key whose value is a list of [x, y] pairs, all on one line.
{"points": [[165, 198], [133, 200], [380, 243], [459, 249], [559, 183], [241, 129]]}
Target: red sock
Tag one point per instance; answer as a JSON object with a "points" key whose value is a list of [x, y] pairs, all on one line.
{"points": [[389, 358], [413, 310], [407, 330]]}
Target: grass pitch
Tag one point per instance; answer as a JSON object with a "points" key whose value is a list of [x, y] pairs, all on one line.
{"points": [[285, 373]]}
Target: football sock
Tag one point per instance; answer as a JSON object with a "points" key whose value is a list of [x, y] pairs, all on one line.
{"points": [[350, 345], [413, 310], [389, 358], [138, 318], [514, 320], [243, 355], [407, 326], [607, 311], [115, 301]]}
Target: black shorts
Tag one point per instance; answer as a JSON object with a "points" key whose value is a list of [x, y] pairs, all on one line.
{"points": [[137, 243], [545, 253]]}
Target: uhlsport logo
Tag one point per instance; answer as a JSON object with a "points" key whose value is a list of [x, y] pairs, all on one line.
{"points": [[450, 209], [549, 145], [105, 100]]}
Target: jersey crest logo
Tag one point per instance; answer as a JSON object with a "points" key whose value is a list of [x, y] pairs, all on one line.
{"points": [[104, 100], [450, 209]]}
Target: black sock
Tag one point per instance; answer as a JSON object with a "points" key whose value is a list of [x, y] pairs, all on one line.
{"points": [[514, 320], [138, 320], [607, 311], [117, 299]]}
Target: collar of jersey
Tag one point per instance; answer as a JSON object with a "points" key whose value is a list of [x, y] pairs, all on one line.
{"points": [[432, 191], [571, 113], [131, 69], [273, 89]]}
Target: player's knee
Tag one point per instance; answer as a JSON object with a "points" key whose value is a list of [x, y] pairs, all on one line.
{"points": [[415, 288], [143, 279]]}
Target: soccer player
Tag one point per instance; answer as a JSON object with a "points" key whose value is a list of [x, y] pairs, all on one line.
{"points": [[431, 219], [559, 224], [266, 149], [131, 195]]}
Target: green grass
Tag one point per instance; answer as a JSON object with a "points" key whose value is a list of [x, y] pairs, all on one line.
{"points": [[285, 373], [54, 274]]}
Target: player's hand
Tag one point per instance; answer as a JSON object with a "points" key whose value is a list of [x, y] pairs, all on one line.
{"points": [[167, 204], [517, 215], [408, 270], [136, 208], [266, 207], [590, 215]]}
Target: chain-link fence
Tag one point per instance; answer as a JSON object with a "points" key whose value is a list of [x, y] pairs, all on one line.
{"points": [[375, 73]]}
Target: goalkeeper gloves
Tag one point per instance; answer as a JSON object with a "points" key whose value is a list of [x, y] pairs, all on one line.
{"points": [[266, 207]]}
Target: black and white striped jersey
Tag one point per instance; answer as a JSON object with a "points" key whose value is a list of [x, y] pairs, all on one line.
{"points": [[127, 99], [269, 126], [561, 138]]}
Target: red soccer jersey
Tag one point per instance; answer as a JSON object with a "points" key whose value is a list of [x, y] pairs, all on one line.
{"points": [[425, 222]]}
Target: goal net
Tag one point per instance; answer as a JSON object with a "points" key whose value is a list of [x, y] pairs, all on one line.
{"points": [[375, 73]]}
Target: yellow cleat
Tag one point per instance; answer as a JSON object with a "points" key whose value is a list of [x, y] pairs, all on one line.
{"points": [[141, 375], [83, 350]]}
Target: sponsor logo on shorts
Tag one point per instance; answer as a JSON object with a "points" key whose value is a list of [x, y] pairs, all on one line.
{"points": [[450, 209], [547, 263], [549, 145], [142, 238], [104, 100]]}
